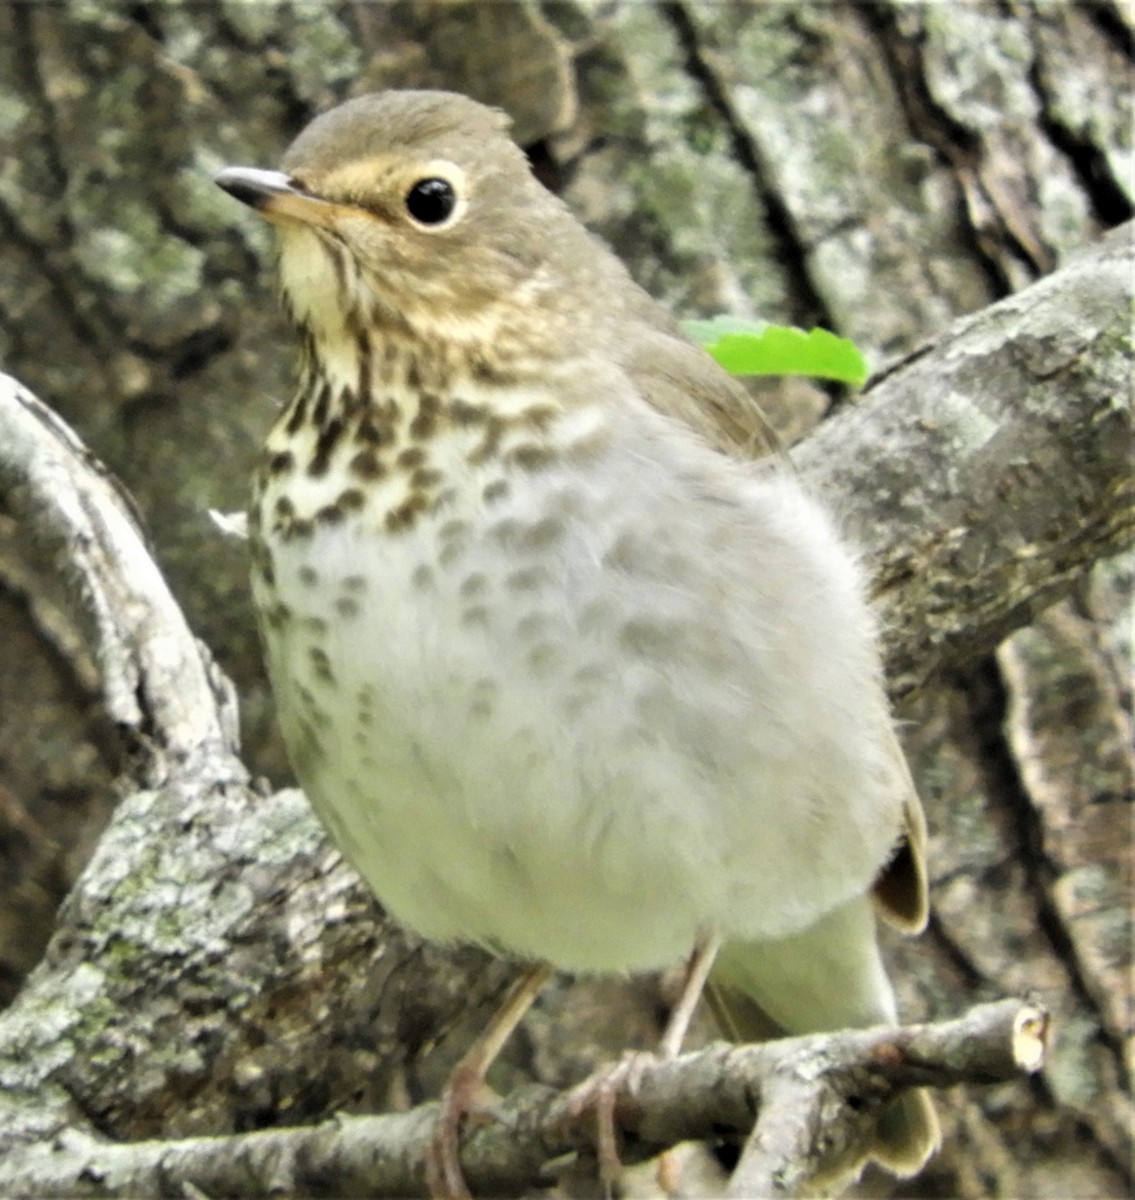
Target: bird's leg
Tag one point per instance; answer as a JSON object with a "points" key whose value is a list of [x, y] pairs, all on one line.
{"points": [[599, 1092], [698, 967], [466, 1085]]}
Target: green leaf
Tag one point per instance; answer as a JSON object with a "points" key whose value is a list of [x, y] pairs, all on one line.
{"points": [[757, 348]]}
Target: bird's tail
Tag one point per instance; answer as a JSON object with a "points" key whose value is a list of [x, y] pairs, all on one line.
{"points": [[907, 1134], [828, 977]]}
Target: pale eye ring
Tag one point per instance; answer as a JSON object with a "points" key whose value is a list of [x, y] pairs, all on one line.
{"points": [[431, 201]]}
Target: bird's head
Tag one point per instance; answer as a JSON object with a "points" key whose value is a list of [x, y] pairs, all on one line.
{"points": [[413, 213]]}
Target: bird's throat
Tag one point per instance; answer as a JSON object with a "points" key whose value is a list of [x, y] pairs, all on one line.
{"points": [[385, 432]]}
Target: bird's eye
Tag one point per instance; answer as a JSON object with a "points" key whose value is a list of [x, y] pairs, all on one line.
{"points": [[431, 201]]}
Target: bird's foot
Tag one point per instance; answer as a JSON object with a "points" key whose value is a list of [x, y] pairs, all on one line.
{"points": [[599, 1093], [465, 1096]]}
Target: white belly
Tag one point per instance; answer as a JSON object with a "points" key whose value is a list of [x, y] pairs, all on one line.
{"points": [[587, 723]]}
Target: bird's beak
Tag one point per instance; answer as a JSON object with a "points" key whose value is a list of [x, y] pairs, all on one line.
{"points": [[274, 195]]}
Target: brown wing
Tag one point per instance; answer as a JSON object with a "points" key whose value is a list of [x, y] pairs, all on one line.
{"points": [[682, 380], [901, 892]]}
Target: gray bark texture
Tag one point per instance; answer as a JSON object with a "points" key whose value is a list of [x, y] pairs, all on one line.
{"points": [[936, 182]]}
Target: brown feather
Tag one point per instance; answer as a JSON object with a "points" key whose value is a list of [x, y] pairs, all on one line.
{"points": [[901, 891], [683, 381]]}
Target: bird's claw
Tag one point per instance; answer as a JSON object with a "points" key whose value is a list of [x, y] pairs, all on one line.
{"points": [[465, 1096], [600, 1093]]}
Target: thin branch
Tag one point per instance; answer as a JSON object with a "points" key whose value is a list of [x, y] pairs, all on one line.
{"points": [[711, 1093], [807, 1138]]}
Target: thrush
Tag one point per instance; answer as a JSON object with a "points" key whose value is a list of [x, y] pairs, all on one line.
{"points": [[564, 674]]}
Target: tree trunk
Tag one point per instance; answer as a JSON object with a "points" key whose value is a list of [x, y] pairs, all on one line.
{"points": [[877, 169]]}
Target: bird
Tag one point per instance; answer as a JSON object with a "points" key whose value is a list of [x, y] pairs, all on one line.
{"points": [[564, 670]]}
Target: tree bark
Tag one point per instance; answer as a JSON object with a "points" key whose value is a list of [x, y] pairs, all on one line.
{"points": [[878, 169]]}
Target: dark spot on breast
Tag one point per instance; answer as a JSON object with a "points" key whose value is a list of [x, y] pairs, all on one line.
{"points": [[262, 562], [329, 437], [539, 535], [531, 456], [532, 625], [474, 585], [490, 442], [330, 514], [375, 431], [542, 534], [387, 410], [277, 615], [542, 657], [406, 514], [362, 346], [307, 746], [308, 576], [506, 531], [297, 416], [453, 529], [411, 457], [367, 465], [320, 663], [281, 462], [624, 553], [497, 490], [425, 477], [476, 614], [427, 418], [650, 638], [485, 371], [450, 553], [322, 407], [527, 579], [351, 500], [462, 412], [536, 416]]}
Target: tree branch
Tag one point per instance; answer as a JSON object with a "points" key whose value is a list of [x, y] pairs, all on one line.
{"points": [[159, 685], [983, 474], [813, 1099]]}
